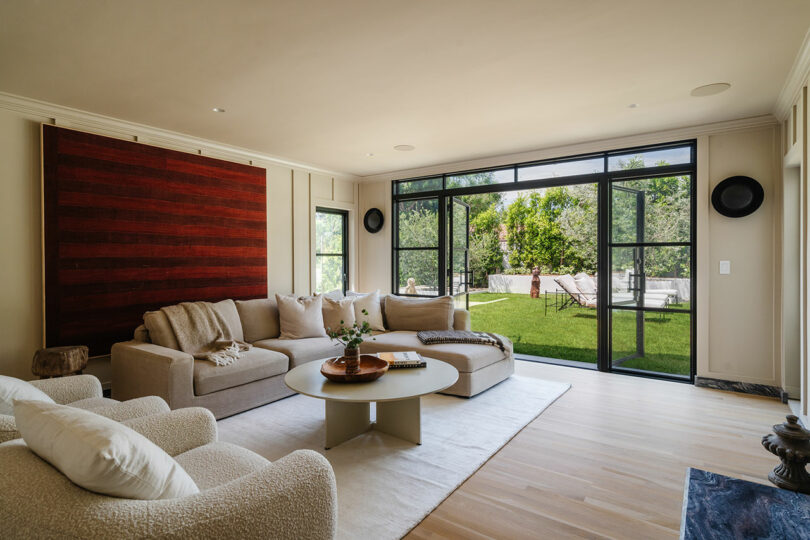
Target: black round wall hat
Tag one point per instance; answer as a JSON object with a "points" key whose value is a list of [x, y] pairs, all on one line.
{"points": [[737, 196], [373, 220]]}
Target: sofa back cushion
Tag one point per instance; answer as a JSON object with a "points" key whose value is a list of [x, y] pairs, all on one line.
{"points": [[300, 316], [230, 314], [100, 454], [419, 313], [259, 319], [160, 331]]}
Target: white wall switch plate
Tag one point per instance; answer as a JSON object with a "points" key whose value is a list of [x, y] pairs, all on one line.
{"points": [[725, 267]]}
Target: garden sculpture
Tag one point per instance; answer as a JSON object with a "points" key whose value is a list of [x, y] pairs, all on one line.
{"points": [[411, 288], [535, 293]]}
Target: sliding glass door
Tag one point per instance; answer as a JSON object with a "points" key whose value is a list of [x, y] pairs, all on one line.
{"points": [[587, 259], [651, 275]]}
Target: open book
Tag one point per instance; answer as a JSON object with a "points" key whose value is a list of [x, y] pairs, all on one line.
{"points": [[406, 359]]}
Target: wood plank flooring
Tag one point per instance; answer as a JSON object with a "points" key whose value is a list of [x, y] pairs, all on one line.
{"points": [[608, 460]]}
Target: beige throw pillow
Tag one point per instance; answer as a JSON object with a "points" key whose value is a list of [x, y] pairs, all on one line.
{"points": [[419, 313], [12, 388], [371, 303], [335, 311], [300, 316], [100, 454]]}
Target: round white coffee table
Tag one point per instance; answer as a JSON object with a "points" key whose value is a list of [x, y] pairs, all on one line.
{"points": [[397, 394]]}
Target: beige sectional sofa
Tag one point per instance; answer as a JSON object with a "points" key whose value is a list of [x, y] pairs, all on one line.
{"points": [[152, 364]]}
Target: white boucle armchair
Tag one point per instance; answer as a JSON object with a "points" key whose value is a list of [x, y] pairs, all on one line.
{"points": [[84, 392], [242, 495]]}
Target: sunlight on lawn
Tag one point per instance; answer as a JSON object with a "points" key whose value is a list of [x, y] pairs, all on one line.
{"points": [[570, 334]]}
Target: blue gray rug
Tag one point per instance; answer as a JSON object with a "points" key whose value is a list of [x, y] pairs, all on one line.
{"points": [[719, 507]]}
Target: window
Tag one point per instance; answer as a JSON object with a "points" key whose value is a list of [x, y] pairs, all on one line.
{"points": [[331, 250]]}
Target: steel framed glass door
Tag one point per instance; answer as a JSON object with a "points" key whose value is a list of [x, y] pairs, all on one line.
{"points": [[650, 280], [458, 251]]}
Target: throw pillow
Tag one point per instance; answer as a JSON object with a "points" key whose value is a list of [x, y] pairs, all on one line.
{"points": [[419, 313], [160, 331], [371, 303], [100, 454], [259, 318], [11, 389], [335, 311], [337, 294], [300, 316]]}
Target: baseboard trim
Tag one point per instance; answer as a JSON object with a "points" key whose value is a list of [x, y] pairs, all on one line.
{"points": [[742, 387]]}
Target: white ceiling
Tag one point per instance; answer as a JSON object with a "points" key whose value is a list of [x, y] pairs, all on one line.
{"points": [[325, 82]]}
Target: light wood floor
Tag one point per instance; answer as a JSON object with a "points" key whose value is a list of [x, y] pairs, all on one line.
{"points": [[608, 460]]}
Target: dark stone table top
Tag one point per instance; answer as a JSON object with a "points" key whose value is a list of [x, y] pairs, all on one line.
{"points": [[719, 507]]}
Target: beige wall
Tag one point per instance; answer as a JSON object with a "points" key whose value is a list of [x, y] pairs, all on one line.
{"points": [[744, 308], [292, 191], [738, 315]]}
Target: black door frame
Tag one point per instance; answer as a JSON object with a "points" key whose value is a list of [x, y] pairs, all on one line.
{"points": [[344, 214], [604, 181]]}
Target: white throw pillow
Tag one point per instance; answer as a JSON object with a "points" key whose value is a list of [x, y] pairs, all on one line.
{"points": [[11, 389], [300, 316], [371, 303], [100, 454], [335, 311], [337, 294]]}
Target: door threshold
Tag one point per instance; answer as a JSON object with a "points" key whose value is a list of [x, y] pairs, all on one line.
{"points": [[555, 361]]}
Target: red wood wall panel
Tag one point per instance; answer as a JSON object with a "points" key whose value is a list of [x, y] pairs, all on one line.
{"points": [[130, 228]]}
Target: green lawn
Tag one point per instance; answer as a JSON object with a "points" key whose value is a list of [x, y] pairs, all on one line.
{"points": [[570, 334]]}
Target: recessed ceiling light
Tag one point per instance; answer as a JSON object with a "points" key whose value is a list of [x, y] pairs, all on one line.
{"points": [[369, 154], [710, 89], [633, 106], [218, 109], [404, 147]]}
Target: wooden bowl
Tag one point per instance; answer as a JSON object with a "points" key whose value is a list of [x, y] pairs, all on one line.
{"points": [[371, 368]]}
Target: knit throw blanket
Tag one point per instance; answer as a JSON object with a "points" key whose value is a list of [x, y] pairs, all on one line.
{"points": [[432, 337], [202, 332]]}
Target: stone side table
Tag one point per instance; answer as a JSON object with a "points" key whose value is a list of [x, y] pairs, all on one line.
{"points": [[59, 361]]}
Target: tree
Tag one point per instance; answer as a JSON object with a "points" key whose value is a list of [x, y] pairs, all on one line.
{"points": [[486, 256]]}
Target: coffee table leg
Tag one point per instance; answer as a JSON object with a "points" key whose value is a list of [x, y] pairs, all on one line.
{"points": [[401, 419], [345, 421]]}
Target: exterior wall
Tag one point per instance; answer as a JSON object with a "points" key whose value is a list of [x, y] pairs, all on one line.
{"points": [[292, 191]]}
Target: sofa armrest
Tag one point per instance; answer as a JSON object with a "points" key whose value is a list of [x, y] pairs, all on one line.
{"points": [[64, 390], [133, 408], [145, 369], [8, 428], [461, 319], [292, 498], [177, 431]]}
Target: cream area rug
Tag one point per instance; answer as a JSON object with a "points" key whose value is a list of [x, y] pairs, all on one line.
{"points": [[386, 486]]}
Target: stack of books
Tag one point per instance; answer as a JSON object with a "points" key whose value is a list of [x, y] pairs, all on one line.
{"points": [[406, 359]]}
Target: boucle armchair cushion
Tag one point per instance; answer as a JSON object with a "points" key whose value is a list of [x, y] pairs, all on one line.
{"points": [[259, 318], [300, 316], [179, 430], [99, 454], [335, 311], [12, 388], [160, 330], [419, 313], [218, 463]]}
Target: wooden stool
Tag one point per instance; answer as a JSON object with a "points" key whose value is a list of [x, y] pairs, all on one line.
{"points": [[59, 361]]}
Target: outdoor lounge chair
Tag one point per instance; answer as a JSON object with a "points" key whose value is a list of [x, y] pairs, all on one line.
{"points": [[581, 291]]}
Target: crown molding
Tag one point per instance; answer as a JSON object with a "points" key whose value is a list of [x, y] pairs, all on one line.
{"points": [[600, 145], [104, 125], [796, 79]]}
